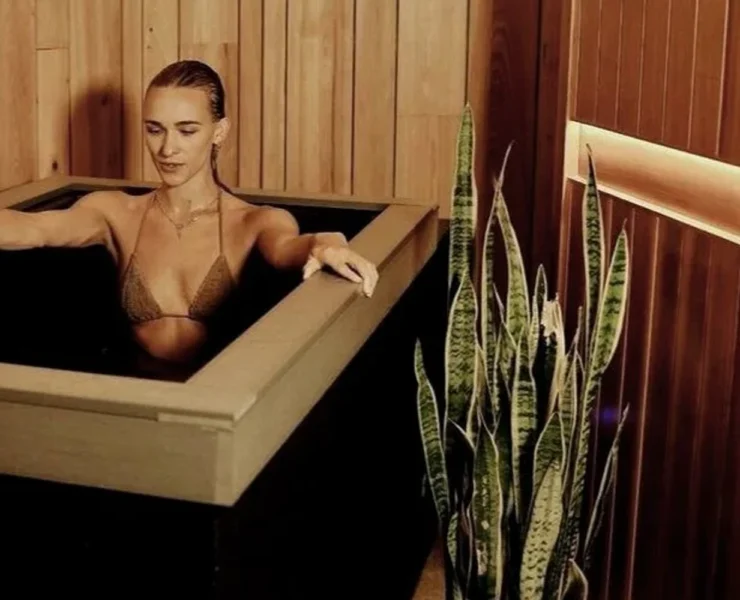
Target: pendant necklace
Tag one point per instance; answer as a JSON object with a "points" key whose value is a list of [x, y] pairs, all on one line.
{"points": [[192, 217]]}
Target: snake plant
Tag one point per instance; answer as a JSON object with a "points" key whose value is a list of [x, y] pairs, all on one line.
{"points": [[506, 442]]}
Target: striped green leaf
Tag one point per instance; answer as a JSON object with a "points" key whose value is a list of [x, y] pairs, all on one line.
{"points": [[517, 296], [452, 541], [523, 427], [554, 333], [593, 251], [431, 438], [612, 308], [605, 488], [479, 397], [544, 525], [576, 587], [549, 447], [488, 506], [534, 337], [540, 290], [569, 407], [460, 359], [464, 200]]}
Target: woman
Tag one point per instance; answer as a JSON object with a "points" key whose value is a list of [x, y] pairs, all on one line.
{"points": [[177, 248]]}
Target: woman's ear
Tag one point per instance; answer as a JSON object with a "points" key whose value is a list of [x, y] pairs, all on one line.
{"points": [[222, 131]]}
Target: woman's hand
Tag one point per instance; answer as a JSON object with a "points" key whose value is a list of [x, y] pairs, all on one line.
{"points": [[332, 250]]}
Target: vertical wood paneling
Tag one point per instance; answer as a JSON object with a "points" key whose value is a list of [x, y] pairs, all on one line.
{"points": [[273, 94], [209, 31], [374, 97], [588, 62], [708, 72], [671, 529], [250, 93], [681, 36], [52, 24], [133, 88], [730, 132], [654, 62], [161, 47], [610, 39], [18, 74], [52, 118], [95, 83], [630, 62], [319, 92], [431, 93]]}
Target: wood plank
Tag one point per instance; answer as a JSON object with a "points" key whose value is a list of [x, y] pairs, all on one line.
{"points": [[52, 24], [95, 83], [679, 82], [652, 102], [713, 409], [274, 65], [319, 96], [374, 98], [133, 88], [250, 93], [708, 72], [18, 73], [610, 40], [730, 129], [630, 61], [161, 47], [588, 62], [52, 112], [431, 96], [209, 32]]}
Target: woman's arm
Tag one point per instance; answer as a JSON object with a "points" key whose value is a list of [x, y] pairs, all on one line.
{"points": [[82, 224], [283, 246]]}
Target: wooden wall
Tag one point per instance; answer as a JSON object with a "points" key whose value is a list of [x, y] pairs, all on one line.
{"points": [[347, 96], [662, 70], [673, 530]]}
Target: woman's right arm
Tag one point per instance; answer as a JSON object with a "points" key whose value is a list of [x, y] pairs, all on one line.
{"points": [[82, 224]]}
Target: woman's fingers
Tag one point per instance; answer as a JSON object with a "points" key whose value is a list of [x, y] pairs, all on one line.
{"points": [[349, 265]]}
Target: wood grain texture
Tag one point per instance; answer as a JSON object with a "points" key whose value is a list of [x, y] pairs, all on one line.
{"points": [[52, 24], [18, 74], [250, 93], [52, 116], [431, 94], [96, 87], [274, 67], [670, 529], [675, 81], [374, 97], [132, 38], [319, 96]]}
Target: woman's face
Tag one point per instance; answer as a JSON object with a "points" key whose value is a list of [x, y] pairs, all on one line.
{"points": [[180, 132]]}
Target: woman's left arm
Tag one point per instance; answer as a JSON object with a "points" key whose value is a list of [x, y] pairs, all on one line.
{"points": [[283, 246]]}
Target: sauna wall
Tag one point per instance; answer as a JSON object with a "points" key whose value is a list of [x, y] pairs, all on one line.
{"points": [[346, 96], [666, 71]]}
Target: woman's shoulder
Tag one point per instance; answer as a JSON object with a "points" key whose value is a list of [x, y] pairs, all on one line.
{"points": [[114, 201]]}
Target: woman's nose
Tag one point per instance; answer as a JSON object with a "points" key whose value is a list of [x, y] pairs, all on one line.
{"points": [[168, 145]]}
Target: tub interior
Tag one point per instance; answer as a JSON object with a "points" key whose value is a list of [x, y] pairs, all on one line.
{"points": [[59, 307]]}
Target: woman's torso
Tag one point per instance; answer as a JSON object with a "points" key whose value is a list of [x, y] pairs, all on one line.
{"points": [[170, 286]]}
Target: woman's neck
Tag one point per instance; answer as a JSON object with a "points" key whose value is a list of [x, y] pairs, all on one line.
{"points": [[192, 195]]}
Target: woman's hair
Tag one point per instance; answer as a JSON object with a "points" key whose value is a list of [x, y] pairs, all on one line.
{"points": [[196, 74]]}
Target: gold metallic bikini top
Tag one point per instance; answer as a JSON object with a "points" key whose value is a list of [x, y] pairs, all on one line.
{"points": [[139, 304]]}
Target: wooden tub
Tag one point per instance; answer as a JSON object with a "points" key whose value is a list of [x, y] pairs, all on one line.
{"points": [[287, 465]]}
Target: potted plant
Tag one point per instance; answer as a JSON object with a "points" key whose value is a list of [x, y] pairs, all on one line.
{"points": [[506, 443]]}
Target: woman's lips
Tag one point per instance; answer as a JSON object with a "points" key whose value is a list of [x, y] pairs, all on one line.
{"points": [[170, 167]]}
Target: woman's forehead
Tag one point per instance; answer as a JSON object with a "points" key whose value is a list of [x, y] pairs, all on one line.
{"points": [[177, 104]]}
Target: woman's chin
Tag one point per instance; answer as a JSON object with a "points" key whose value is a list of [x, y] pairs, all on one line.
{"points": [[173, 179]]}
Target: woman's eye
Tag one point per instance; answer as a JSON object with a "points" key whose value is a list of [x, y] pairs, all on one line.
{"points": [[188, 132], [153, 130]]}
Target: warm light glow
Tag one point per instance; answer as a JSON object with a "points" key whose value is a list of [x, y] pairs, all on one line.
{"points": [[695, 190]]}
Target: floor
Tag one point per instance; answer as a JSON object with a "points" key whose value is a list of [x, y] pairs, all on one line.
{"points": [[431, 583]]}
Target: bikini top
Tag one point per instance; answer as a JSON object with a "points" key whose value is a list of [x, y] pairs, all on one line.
{"points": [[141, 306]]}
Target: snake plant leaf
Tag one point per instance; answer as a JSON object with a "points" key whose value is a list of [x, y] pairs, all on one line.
{"points": [[431, 435], [517, 296], [605, 488], [549, 448], [576, 587], [569, 409], [464, 200], [523, 427], [507, 357], [460, 356], [452, 534], [534, 337], [553, 377], [503, 440], [540, 290], [612, 308], [544, 525], [479, 397], [593, 251], [488, 506]]}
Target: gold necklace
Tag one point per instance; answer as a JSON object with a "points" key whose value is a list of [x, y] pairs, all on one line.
{"points": [[192, 217]]}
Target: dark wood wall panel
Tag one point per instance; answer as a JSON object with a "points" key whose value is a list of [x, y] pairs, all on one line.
{"points": [[673, 528], [667, 71]]}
